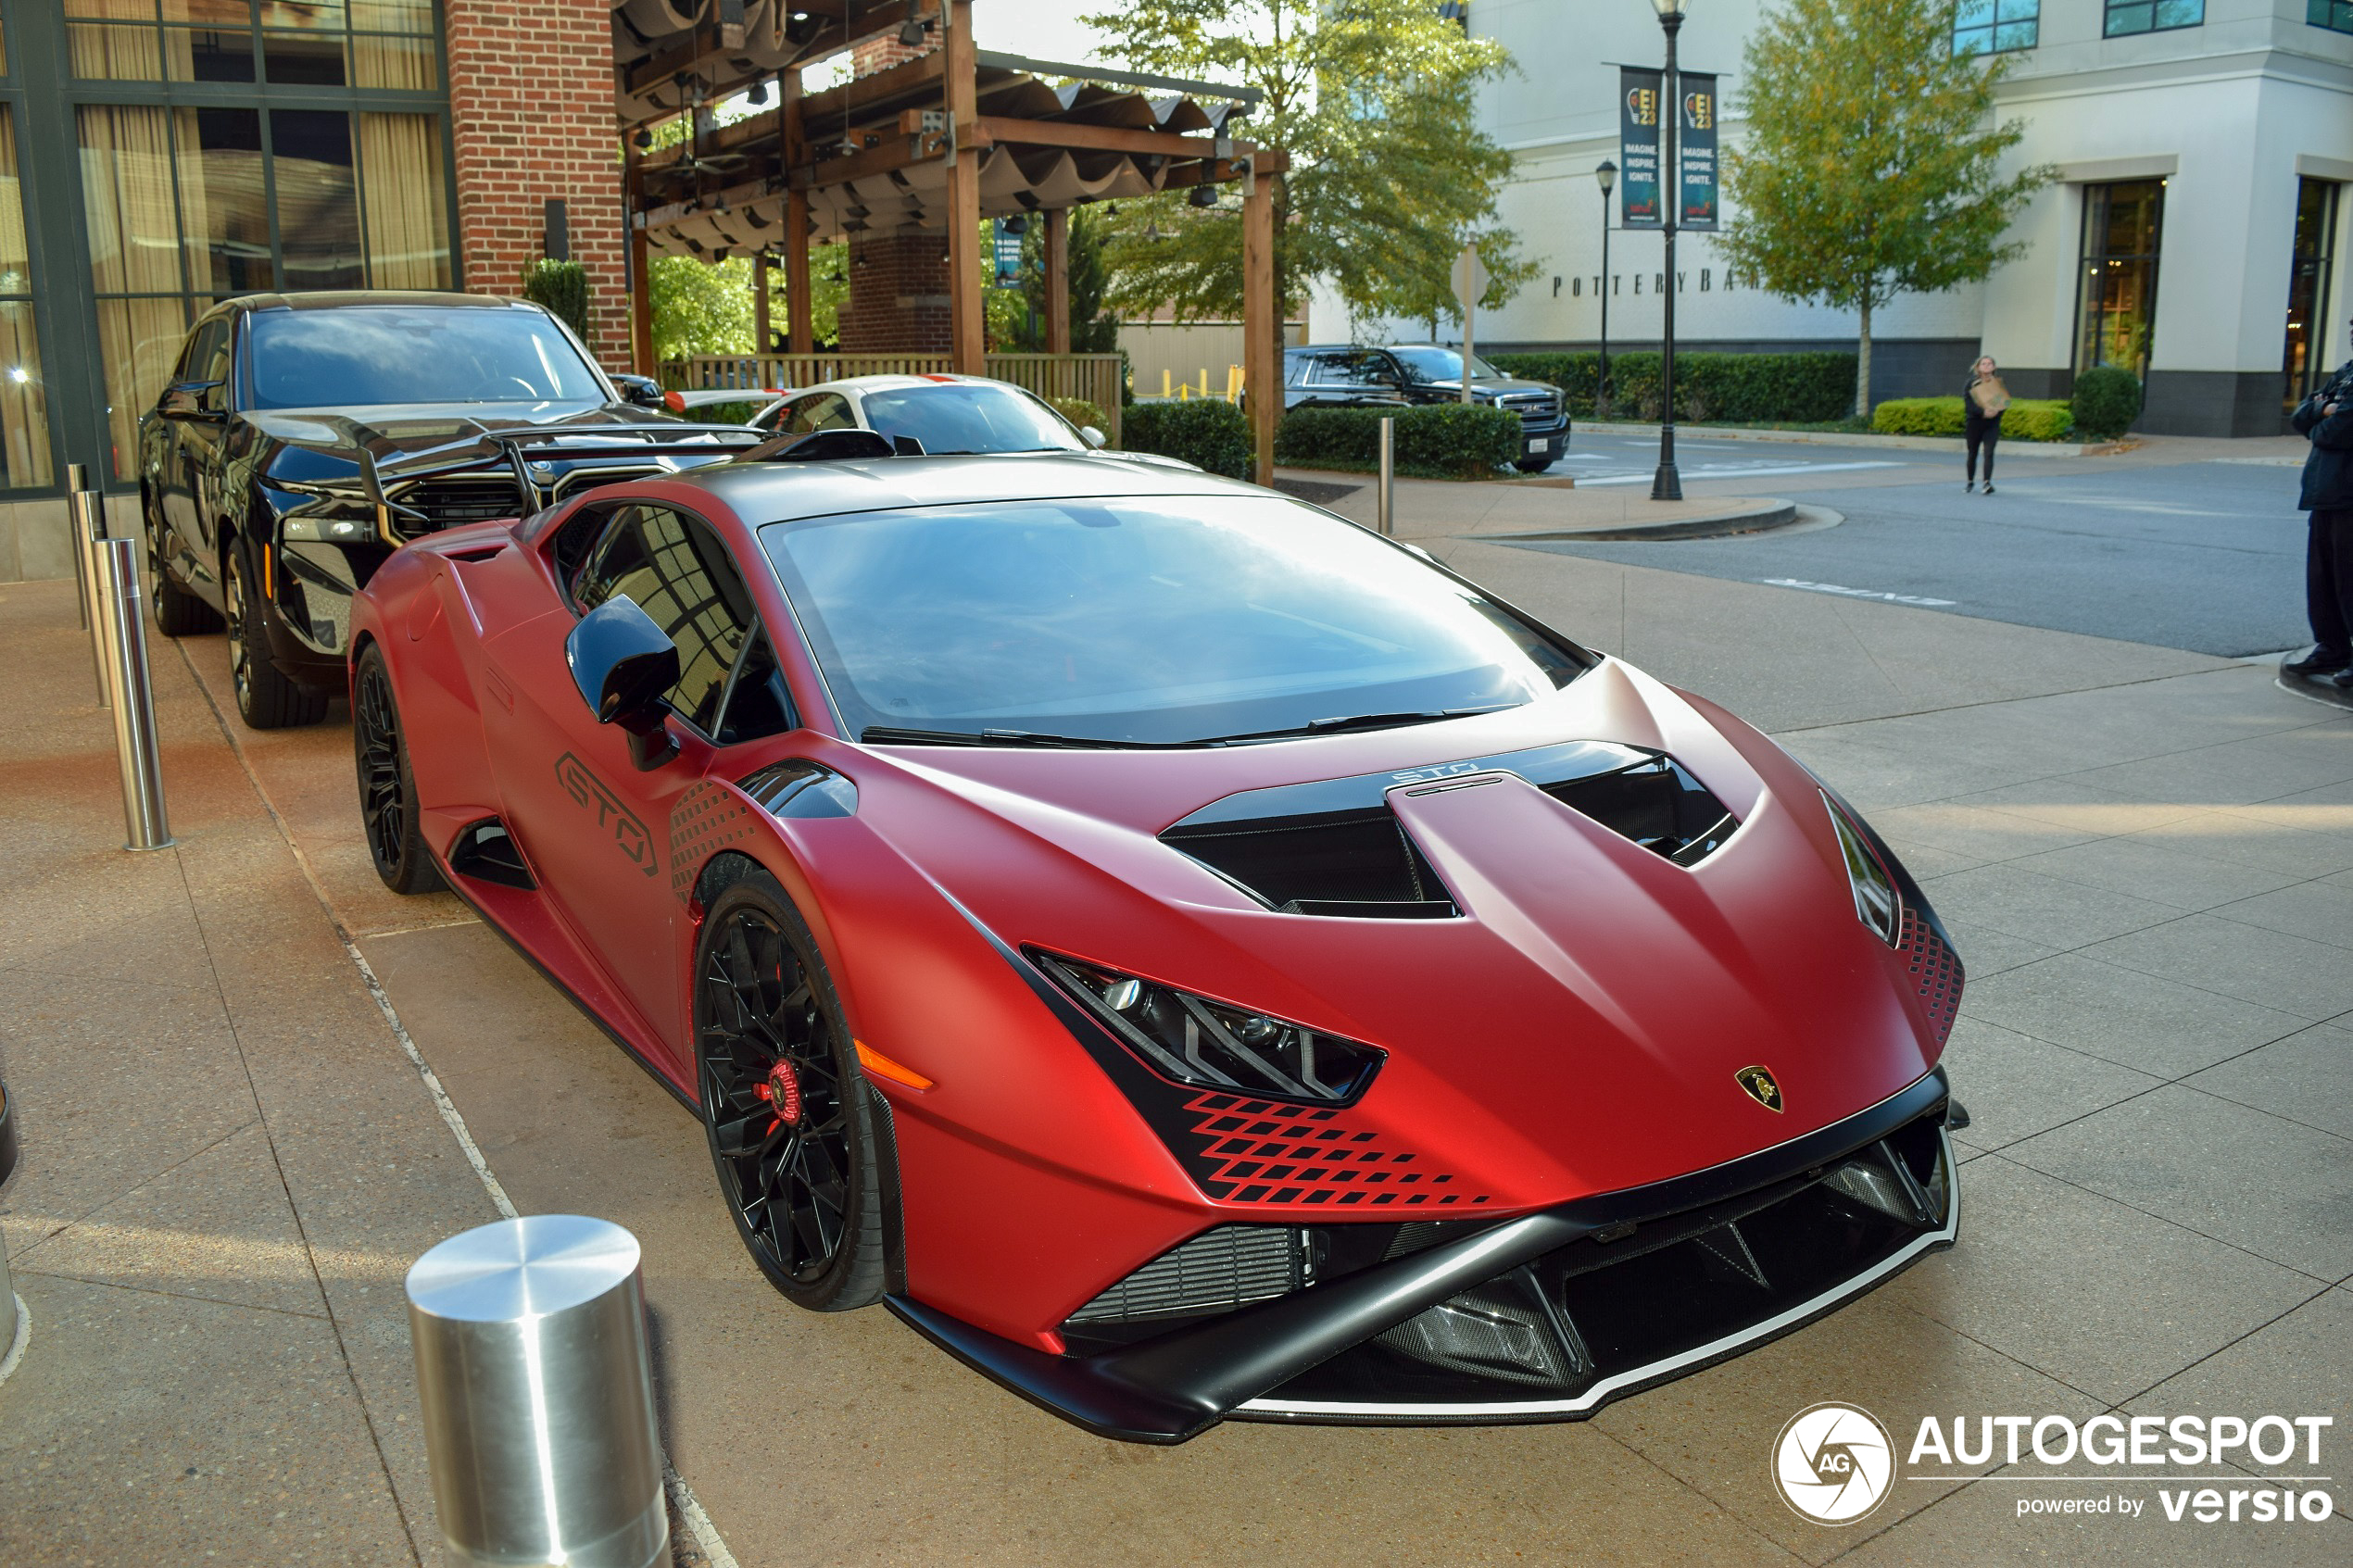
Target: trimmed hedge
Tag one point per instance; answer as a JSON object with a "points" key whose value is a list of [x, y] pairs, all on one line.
{"points": [[563, 288], [2027, 419], [1208, 433], [1450, 440], [1737, 388], [1078, 411], [2107, 401]]}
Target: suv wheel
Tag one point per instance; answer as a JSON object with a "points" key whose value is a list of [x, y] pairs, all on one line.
{"points": [[179, 613], [266, 698]]}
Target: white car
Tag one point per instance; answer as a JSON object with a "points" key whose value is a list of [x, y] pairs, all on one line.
{"points": [[934, 415]]}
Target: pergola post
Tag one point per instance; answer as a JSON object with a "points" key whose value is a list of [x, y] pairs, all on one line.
{"points": [[758, 306], [799, 338], [966, 349], [641, 296], [1262, 368], [1058, 281]]}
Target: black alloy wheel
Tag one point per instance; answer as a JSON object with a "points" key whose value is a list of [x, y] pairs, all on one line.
{"points": [[179, 613], [387, 784], [266, 698], [786, 1107]]}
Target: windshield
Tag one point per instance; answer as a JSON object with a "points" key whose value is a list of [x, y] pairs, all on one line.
{"points": [[1169, 620], [366, 355], [1442, 364], [969, 417]]}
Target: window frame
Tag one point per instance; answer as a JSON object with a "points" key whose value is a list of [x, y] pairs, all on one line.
{"points": [[2109, 30], [2330, 16], [1997, 21]]}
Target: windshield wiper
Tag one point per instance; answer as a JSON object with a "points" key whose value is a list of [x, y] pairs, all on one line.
{"points": [[884, 734], [1357, 722]]}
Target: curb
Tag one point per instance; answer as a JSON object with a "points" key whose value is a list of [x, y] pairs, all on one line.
{"points": [[1949, 444], [1759, 517], [2320, 692]]}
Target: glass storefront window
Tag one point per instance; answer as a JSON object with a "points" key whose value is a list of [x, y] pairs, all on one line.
{"points": [[2307, 357], [375, 44], [2116, 312], [24, 414]]}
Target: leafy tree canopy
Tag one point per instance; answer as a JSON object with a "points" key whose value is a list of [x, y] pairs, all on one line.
{"points": [[1871, 163], [1093, 329], [1390, 172]]}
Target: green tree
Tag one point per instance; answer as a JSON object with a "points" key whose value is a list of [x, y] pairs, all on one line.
{"points": [[1391, 175], [1093, 328], [1871, 165]]}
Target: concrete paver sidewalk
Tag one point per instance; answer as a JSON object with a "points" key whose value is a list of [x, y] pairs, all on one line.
{"points": [[2147, 858]]}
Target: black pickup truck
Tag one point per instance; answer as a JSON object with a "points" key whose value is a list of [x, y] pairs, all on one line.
{"points": [[304, 437], [1341, 376]]}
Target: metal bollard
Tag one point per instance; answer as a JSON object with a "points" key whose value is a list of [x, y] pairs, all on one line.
{"points": [[86, 522], [530, 1336], [12, 1319], [123, 623], [1386, 514]]}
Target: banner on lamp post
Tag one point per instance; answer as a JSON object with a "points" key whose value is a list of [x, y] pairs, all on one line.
{"points": [[1008, 257], [1696, 152], [1638, 175]]}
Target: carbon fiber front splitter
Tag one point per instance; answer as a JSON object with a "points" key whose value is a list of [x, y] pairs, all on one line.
{"points": [[1177, 1386]]}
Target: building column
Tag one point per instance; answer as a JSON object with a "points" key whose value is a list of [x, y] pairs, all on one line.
{"points": [[531, 120]]}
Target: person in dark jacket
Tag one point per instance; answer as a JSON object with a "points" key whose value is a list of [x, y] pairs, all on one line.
{"points": [[1982, 403], [2326, 420]]}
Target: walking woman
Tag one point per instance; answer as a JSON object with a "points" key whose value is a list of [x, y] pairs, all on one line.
{"points": [[1981, 406]]}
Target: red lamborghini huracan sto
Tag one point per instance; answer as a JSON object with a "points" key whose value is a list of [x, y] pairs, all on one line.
{"points": [[1187, 955]]}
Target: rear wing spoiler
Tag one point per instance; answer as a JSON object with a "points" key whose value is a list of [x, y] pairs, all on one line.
{"points": [[766, 396]]}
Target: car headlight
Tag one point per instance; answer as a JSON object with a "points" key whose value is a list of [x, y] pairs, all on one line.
{"points": [[1198, 1041], [1877, 904]]}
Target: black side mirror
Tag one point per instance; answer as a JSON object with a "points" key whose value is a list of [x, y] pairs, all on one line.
{"points": [[624, 665], [643, 391], [195, 399]]}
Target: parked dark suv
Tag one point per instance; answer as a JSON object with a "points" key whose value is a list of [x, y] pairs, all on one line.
{"points": [[304, 437], [1338, 376]]}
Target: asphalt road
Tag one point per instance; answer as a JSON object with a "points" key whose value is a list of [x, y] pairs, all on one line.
{"points": [[2203, 556]]}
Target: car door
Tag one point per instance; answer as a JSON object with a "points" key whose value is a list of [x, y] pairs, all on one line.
{"points": [[191, 414], [595, 829]]}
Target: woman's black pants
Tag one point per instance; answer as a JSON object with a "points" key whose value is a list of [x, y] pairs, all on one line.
{"points": [[1982, 433]]}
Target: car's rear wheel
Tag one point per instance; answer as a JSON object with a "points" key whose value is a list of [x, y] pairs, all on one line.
{"points": [[387, 784], [267, 699], [789, 1115], [179, 613]]}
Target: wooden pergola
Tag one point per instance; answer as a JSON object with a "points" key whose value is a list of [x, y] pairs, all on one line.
{"points": [[916, 132]]}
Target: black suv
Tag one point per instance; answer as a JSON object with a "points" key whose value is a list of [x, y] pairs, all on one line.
{"points": [[269, 470], [1338, 376]]}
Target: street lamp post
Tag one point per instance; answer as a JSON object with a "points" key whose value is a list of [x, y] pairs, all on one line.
{"points": [[1607, 177], [1668, 485]]}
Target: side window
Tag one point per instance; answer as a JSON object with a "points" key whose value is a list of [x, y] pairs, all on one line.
{"points": [[215, 364], [206, 345], [1357, 369], [575, 543], [676, 570], [758, 703], [820, 411]]}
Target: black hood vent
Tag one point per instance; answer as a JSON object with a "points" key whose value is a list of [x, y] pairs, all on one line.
{"points": [[1333, 847]]}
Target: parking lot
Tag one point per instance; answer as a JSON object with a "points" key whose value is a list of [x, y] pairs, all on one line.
{"points": [[245, 1072]]}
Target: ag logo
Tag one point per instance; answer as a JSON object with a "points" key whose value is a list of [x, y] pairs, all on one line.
{"points": [[1758, 1081], [588, 792], [1833, 1463]]}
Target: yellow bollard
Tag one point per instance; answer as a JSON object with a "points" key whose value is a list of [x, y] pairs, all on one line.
{"points": [[1205, 381], [1164, 383], [1233, 381]]}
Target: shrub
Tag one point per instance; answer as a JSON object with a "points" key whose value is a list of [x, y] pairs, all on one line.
{"points": [[2038, 418], [563, 288], [1918, 416], [2027, 419], [2107, 401], [1207, 431], [1443, 439], [1078, 411], [1812, 388]]}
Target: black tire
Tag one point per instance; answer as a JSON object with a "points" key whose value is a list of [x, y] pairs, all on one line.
{"points": [[807, 1188], [387, 784], [179, 613], [266, 698]]}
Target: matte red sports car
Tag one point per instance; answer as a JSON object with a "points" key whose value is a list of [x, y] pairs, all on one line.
{"points": [[1190, 956]]}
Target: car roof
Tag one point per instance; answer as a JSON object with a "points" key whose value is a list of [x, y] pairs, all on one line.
{"points": [[762, 493], [349, 299], [894, 382]]}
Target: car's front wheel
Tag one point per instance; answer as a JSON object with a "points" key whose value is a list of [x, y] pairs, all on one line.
{"points": [[267, 699], [790, 1118], [387, 784]]}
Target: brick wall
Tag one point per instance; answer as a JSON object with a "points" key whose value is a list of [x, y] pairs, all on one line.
{"points": [[531, 111], [898, 283]]}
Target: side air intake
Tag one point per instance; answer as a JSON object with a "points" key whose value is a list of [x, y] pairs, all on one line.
{"points": [[485, 852]]}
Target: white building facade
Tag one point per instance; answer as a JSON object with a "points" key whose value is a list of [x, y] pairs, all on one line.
{"points": [[2197, 235]]}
